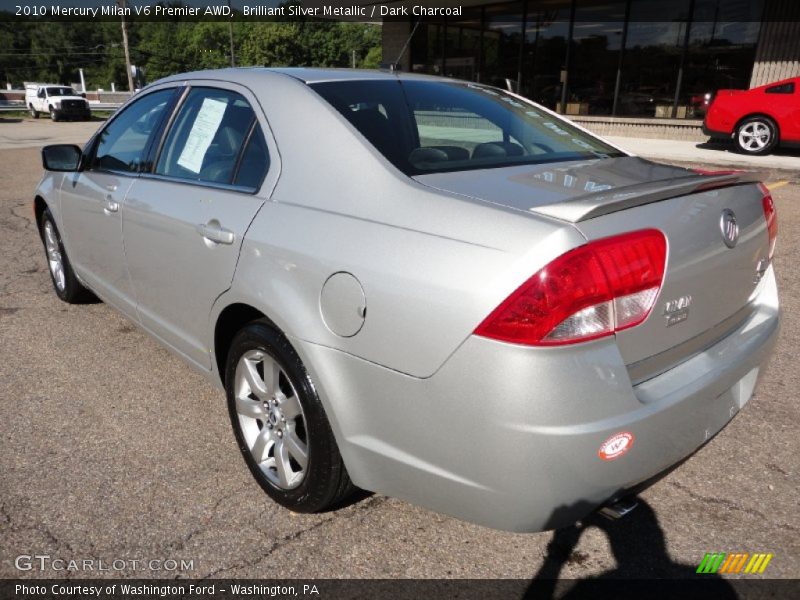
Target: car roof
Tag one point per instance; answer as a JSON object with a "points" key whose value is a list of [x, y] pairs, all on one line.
{"points": [[305, 74], [316, 75]]}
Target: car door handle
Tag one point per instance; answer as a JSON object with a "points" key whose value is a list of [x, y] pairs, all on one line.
{"points": [[215, 233], [109, 206], [111, 187]]}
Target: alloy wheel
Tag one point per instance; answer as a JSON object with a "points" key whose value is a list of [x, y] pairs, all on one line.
{"points": [[755, 136], [271, 419], [54, 258]]}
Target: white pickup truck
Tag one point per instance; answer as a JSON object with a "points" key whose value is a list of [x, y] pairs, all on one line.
{"points": [[60, 101]]}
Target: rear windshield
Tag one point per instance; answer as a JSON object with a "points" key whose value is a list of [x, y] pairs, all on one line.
{"points": [[433, 126]]}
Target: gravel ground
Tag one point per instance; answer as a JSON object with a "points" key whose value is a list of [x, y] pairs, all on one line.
{"points": [[112, 449]]}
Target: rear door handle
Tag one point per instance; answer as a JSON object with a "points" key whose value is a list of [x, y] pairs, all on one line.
{"points": [[111, 187], [214, 232]]}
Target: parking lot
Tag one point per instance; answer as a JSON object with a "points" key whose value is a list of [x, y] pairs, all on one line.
{"points": [[114, 450]]}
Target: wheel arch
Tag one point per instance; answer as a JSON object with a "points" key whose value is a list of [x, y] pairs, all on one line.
{"points": [[762, 115], [39, 206], [229, 322]]}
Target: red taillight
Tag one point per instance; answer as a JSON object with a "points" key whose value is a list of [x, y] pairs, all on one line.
{"points": [[589, 292], [772, 218]]}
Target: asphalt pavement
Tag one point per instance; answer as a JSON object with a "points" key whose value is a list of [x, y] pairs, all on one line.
{"points": [[111, 449]]}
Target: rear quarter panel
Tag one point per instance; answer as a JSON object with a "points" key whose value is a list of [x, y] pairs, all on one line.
{"points": [[426, 288], [432, 265]]}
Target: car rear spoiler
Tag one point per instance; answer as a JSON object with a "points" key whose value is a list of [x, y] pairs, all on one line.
{"points": [[596, 204]]}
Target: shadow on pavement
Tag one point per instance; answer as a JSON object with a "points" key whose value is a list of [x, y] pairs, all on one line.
{"points": [[715, 145], [639, 547]]}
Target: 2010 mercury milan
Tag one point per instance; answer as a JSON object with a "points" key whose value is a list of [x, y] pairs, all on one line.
{"points": [[430, 288]]}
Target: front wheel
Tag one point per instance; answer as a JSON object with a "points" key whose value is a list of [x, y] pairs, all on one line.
{"points": [[65, 283], [280, 424], [756, 135], [54, 116]]}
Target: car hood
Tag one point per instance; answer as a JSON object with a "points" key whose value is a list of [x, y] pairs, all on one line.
{"points": [[534, 187]]}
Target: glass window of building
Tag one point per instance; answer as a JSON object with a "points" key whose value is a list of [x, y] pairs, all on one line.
{"points": [[655, 40], [596, 46], [631, 58], [544, 56], [721, 51], [502, 41], [463, 46]]}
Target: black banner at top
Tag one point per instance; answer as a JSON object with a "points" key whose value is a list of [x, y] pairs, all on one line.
{"points": [[729, 11]]}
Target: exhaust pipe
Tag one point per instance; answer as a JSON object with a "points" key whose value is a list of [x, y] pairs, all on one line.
{"points": [[618, 509]]}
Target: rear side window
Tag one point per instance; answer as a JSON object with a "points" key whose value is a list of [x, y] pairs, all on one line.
{"points": [[122, 145], [207, 139], [784, 88], [254, 162], [436, 126]]}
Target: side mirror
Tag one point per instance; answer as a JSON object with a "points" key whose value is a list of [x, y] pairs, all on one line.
{"points": [[61, 157], [83, 94]]}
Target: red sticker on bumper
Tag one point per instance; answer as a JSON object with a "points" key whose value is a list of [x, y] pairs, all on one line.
{"points": [[615, 446]]}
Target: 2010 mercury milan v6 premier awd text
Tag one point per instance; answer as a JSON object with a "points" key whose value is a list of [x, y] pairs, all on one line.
{"points": [[424, 287]]}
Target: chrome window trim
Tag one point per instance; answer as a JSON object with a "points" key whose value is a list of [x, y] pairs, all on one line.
{"points": [[250, 191]]}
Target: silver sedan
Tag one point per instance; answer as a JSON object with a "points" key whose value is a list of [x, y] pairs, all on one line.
{"points": [[429, 288]]}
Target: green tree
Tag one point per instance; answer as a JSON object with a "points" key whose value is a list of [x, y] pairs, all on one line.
{"points": [[54, 51], [271, 44], [373, 59]]}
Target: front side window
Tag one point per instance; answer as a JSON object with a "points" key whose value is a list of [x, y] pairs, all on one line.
{"points": [[431, 126], [207, 141], [122, 145]]}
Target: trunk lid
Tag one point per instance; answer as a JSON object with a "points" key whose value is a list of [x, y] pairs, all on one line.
{"points": [[708, 287]]}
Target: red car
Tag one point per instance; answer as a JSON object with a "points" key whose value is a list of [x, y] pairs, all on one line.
{"points": [[758, 119]]}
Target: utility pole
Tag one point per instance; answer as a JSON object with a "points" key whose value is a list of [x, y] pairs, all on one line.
{"points": [[123, 4], [230, 33]]}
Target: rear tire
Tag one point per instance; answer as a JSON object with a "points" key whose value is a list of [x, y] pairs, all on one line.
{"points": [[34, 113], [65, 283], [756, 136], [279, 422]]}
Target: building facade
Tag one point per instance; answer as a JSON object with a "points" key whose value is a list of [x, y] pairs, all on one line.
{"points": [[625, 58]]}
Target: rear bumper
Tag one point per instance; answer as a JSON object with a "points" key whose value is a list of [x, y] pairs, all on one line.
{"points": [[714, 133], [508, 436]]}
